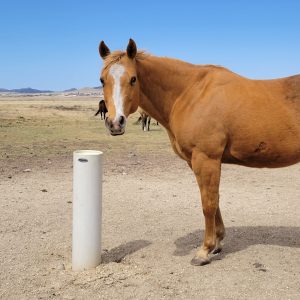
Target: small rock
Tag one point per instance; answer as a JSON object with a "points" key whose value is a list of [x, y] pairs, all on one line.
{"points": [[44, 190], [260, 267], [27, 170], [69, 201], [9, 176], [257, 265]]}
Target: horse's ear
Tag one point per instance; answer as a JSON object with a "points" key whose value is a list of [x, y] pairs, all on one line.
{"points": [[103, 50], [131, 49]]}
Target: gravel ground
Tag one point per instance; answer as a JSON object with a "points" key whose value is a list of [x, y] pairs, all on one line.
{"points": [[152, 224]]}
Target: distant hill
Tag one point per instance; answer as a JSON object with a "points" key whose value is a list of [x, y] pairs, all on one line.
{"points": [[25, 91], [85, 91], [70, 90]]}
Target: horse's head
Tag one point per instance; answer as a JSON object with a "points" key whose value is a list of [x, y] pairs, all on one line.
{"points": [[120, 85]]}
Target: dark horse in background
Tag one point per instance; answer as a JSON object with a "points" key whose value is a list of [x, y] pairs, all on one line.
{"points": [[102, 110], [212, 116]]}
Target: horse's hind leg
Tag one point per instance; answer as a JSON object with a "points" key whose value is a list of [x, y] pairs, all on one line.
{"points": [[220, 231], [208, 173]]}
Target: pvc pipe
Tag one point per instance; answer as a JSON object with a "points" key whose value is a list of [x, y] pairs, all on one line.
{"points": [[87, 209]]}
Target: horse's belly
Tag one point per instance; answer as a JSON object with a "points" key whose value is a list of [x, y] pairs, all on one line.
{"points": [[271, 139], [261, 149], [264, 153]]}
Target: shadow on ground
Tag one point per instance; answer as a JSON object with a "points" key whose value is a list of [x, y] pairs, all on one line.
{"points": [[240, 238], [118, 253]]}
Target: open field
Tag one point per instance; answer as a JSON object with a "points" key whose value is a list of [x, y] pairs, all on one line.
{"points": [[152, 218]]}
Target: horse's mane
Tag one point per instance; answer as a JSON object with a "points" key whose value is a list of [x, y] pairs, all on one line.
{"points": [[116, 56]]}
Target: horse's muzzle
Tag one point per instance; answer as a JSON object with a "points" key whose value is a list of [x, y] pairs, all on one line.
{"points": [[116, 126]]}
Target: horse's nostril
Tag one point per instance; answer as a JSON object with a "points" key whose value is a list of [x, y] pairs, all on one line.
{"points": [[122, 120], [109, 124]]}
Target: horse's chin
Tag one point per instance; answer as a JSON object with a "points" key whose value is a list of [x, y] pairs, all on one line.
{"points": [[117, 133]]}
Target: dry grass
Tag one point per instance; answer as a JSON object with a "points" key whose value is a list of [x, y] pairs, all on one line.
{"points": [[53, 127]]}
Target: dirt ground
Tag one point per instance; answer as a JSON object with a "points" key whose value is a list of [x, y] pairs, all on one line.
{"points": [[152, 217]]}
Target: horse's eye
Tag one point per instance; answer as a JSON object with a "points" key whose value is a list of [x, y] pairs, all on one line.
{"points": [[132, 80], [102, 81]]}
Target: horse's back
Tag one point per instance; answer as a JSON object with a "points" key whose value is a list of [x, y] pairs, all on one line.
{"points": [[292, 88]]}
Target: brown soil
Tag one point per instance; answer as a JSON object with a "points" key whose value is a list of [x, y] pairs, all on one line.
{"points": [[152, 219]]}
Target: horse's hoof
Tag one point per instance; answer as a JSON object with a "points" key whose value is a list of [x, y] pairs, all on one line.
{"points": [[199, 261], [217, 250]]}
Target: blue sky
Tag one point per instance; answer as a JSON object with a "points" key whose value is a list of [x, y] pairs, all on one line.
{"points": [[54, 44]]}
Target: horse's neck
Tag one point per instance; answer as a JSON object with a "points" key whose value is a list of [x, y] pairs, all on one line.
{"points": [[162, 81]]}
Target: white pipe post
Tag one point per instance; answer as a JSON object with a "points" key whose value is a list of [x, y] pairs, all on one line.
{"points": [[87, 209]]}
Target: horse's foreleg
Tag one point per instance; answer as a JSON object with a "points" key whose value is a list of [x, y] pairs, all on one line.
{"points": [[220, 231], [208, 173]]}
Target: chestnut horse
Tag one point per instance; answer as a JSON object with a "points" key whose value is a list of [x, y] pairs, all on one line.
{"points": [[212, 116]]}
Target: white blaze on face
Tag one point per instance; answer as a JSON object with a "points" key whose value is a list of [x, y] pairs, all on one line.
{"points": [[116, 71]]}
